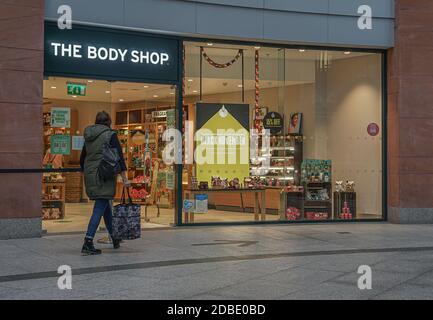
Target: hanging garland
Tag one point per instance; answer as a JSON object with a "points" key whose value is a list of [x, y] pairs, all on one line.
{"points": [[220, 65], [257, 121]]}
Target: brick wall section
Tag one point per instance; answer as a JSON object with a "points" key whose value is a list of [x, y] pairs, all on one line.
{"points": [[410, 114], [21, 79]]}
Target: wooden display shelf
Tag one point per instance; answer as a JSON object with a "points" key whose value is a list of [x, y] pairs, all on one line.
{"points": [[258, 195], [48, 210]]}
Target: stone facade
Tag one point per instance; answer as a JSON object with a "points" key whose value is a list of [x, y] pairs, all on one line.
{"points": [[21, 79], [410, 114]]}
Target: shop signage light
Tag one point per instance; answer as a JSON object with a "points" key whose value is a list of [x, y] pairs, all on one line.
{"points": [[110, 54], [77, 51], [76, 89]]}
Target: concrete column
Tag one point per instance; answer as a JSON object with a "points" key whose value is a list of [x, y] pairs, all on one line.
{"points": [[410, 114], [21, 146]]}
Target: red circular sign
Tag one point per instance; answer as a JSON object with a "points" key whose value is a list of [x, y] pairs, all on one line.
{"points": [[373, 129]]}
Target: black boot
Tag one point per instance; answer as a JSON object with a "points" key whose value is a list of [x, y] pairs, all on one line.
{"points": [[89, 248], [116, 243]]}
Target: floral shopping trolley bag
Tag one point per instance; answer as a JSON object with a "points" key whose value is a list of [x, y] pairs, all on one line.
{"points": [[126, 219]]}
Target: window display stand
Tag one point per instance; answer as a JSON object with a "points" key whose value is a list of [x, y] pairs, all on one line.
{"points": [[344, 205], [53, 200], [319, 205], [285, 157]]}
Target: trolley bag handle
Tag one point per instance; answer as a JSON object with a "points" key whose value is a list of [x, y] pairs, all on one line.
{"points": [[123, 199]]}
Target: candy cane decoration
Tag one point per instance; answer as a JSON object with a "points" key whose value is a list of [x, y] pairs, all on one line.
{"points": [[257, 93]]}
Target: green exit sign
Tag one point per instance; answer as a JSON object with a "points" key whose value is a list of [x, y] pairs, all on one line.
{"points": [[76, 89]]}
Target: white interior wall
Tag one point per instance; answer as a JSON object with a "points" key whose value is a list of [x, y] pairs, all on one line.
{"points": [[353, 101]]}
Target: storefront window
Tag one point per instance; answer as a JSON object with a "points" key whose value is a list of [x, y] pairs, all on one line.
{"points": [[140, 113], [322, 159]]}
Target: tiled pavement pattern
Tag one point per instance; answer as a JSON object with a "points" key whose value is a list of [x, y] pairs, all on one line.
{"points": [[288, 262]]}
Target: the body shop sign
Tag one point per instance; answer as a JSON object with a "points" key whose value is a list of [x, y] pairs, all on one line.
{"points": [[112, 54]]}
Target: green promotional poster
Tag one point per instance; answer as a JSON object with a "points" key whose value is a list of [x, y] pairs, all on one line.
{"points": [[222, 141], [60, 144], [61, 117], [171, 118]]}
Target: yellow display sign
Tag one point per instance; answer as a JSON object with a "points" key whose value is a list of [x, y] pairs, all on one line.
{"points": [[222, 144]]}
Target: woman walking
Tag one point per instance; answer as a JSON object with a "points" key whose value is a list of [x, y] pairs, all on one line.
{"points": [[100, 190]]}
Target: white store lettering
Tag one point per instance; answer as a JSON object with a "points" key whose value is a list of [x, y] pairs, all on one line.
{"points": [[110, 54], [104, 53], [147, 57], [70, 50]]}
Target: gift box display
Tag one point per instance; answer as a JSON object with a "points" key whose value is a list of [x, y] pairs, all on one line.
{"points": [[293, 213], [316, 170], [316, 215]]}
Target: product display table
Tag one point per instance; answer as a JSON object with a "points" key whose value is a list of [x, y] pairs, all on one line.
{"points": [[259, 209]]}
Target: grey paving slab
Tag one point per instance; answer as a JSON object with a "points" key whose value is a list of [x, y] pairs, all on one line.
{"points": [[6, 293], [403, 266], [164, 264], [330, 291], [407, 292], [424, 279], [256, 290], [209, 296], [200, 283], [381, 281], [301, 276], [170, 272], [111, 283], [347, 263], [52, 293]]}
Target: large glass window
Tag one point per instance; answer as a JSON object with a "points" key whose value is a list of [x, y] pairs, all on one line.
{"points": [[322, 159]]}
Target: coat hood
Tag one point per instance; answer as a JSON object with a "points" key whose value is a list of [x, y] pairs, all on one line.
{"points": [[94, 131]]}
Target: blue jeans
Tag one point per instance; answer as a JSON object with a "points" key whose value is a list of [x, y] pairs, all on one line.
{"points": [[102, 208]]}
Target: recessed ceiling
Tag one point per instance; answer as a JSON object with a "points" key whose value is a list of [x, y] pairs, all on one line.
{"points": [[214, 81]]}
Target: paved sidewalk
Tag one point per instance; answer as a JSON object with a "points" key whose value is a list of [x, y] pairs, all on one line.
{"points": [[242, 262]]}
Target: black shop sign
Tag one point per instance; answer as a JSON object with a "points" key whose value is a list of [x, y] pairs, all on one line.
{"points": [[110, 54], [273, 121]]}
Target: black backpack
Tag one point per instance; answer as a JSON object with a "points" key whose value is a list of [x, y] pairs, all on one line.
{"points": [[109, 166]]}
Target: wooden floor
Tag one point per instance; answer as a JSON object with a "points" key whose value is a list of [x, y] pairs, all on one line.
{"points": [[78, 215]]}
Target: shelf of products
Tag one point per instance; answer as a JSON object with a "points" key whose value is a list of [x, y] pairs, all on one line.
{"points": [[284, 157], [318, 202], [53, 196], [141, 138]]}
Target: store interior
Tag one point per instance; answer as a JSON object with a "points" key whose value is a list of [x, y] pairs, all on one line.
{"points": [[332, 98]]}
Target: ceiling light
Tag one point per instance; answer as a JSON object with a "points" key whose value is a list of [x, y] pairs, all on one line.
{"points": [[155, 96], [301, 50], [257, 48], [347, 52], [240, 86], [89, 81], [74, 96], [171, 92], [107, 91], [145, 87], [195, 91], [210, 44], [53, 87], [190, 80], [121, 100]]}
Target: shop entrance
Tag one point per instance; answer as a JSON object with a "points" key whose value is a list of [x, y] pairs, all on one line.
{"points": [[140, 113]]}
